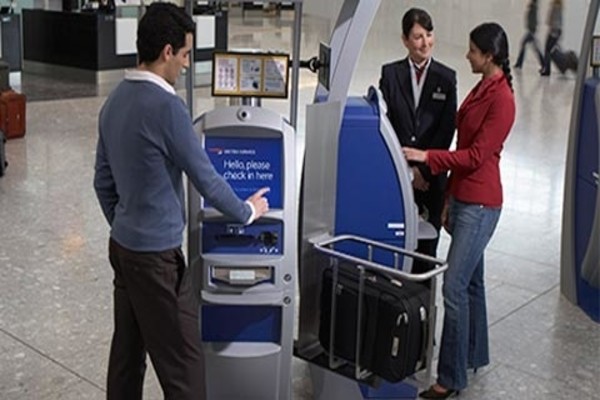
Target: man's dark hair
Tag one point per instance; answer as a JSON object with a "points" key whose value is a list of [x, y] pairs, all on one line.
{"points": [[416, 16], [162, 24]]}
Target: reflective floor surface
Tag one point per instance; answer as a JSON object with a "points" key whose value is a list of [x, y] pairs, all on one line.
{"points": [[55, 280]]}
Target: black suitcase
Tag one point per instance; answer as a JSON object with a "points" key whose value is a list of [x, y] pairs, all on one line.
{"points": [[572, 60], [395, 321], [564, 60], [3, 163]]}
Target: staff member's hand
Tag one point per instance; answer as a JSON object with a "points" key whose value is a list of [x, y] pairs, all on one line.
{"points": [[419, 182], [412, 154], [259, 203]]}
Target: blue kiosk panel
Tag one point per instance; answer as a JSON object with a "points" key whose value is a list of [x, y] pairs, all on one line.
{"points": [[249, 164], [367, 180], [237, 323], [587, 146], [263, 237], [387, 390], [588, 295]]}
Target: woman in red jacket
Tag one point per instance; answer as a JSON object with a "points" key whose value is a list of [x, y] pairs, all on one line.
{"points": [[474, 201]]}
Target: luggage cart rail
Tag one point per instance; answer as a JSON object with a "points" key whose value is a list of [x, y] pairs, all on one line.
{"points": [[325, 246]]}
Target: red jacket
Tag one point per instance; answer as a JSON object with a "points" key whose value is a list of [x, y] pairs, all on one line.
{"points": [[483, 122]]}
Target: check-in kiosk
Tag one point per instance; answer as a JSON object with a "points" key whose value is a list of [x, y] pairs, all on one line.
{"points": [[580, 256], [246, 274]]}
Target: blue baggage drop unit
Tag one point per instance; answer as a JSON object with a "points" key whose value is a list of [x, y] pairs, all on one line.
{"points": [[357, 211], [374, 197], [587, 264], [371, 175], [247, 273], [580, 255]]}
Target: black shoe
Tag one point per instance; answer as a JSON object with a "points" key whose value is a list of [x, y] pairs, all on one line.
{"points": [[544, 73], [431, 393]]}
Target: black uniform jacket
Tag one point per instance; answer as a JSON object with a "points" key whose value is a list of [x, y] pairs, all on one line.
{"points": [[429, 125]]}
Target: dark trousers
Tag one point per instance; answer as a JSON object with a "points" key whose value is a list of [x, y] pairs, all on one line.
{"points": [[155, 313], [529, 38], [431, 204], [551, 41]]}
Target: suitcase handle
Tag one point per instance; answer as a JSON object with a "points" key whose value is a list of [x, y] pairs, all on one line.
{"points": [[323, 247]]}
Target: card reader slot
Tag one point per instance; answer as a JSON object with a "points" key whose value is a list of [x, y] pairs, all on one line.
{"points": [[233, 239], [239, 239]]}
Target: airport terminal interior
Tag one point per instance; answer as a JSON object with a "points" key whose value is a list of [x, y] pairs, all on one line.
{"points": [[56, 281]]}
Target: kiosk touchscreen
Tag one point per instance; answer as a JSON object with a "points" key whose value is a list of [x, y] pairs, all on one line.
{"points": [[249, 164], [246, 274]]}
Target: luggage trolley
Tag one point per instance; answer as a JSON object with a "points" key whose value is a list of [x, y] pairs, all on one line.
{"points": [[389, 274], [387, 319]]}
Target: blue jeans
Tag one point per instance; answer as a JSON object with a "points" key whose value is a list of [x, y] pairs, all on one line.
{"points": [[465, 333]]}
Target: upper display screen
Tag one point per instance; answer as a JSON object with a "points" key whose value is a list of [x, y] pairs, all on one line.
{"points": [[250, 75], [249, 164]]}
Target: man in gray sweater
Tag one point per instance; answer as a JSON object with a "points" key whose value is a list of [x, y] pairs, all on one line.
{"points": [[146, 141]]}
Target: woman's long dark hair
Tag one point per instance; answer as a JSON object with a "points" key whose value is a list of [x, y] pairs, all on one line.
{"points": [[490, 38]]}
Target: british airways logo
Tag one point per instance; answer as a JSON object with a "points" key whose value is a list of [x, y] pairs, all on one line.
{"points": [[215, 150], [220, 151]]}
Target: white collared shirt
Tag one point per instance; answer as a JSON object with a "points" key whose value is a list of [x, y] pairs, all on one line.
{"points": [[139, 75], [417, 87]]}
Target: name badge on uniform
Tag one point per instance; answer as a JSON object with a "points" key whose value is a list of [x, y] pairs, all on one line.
{"points": [[438, 95]]}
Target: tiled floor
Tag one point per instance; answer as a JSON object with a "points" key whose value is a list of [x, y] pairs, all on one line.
{"points": [[55, 281]]}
